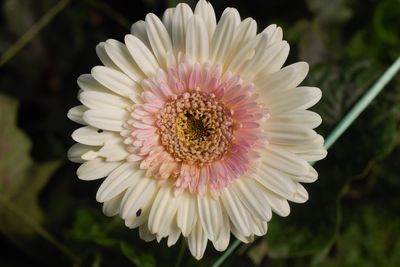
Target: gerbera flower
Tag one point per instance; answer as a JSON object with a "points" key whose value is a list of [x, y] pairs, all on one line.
{"points": [[197, 128]]}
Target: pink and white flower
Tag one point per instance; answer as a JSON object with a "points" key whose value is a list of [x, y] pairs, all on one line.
{"points": [[197, 128]]}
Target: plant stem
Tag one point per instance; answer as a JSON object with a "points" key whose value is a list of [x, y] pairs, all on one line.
{"points": [[33, 31]]}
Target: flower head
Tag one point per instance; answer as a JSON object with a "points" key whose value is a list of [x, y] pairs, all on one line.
{"points": [[197, 128]]}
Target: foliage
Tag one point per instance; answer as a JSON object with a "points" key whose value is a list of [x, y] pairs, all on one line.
{"points": [[48, 218]]}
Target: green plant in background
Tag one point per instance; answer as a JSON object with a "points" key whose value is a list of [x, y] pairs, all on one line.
{"points": [[351, 218]]}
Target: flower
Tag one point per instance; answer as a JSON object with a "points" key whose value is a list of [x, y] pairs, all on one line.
{"points": [[197, 128]]}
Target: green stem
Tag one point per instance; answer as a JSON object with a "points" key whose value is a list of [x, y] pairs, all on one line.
{"points": [[227, 253], [37, 228], [344, 124], [33, 31]]}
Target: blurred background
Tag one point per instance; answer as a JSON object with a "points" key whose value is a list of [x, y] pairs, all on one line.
{"points": [[49, 218]]}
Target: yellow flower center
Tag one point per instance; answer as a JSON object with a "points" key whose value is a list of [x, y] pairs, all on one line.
{"points": [[195, 128]]}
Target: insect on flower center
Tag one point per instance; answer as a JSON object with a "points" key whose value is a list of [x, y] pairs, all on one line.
{"points": [[195, 128]]}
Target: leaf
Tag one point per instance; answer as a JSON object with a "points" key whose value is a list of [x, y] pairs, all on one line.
{"points": [[140, 259], [364, 242], [20, 181], [89, 228], [14, 149], [341, 86]]}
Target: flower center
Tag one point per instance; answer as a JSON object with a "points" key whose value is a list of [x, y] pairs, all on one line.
{"points": [[195, 128]]}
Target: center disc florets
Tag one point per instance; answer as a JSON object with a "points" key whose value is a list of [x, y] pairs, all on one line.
{"points": [[195, 128]]}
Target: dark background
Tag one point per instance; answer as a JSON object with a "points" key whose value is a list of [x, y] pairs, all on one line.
{"points": [[50, 218]]}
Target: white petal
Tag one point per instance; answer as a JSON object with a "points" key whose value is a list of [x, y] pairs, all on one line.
{"points": [[182, 15], [116, 81], [270, 30], [285, 161], [275, 181], [99, 100], [174, 235], [107, 119], [206, 12], [287, 78], [139, 30], [237, 212], [114, 150], [145, 233], [77, 150], [310, 150], [159, 38], [163, 211], [141, 217], [222, 39], [244, 33], [223, 241], [278, 59], [311, 177], [137, 196], [112, 206], [299, 98], [167, 19], [313, 154], [300, 196], [87, 83], [275, 33], [92, 136], [234, 11], [260, 227], [288, 134], [76, 114], [143, 57], [197, 241], [248, 54], [96, 169], [121, 178], [306, 118], [197, 40], [263, 56], [210, 215], [187, 213], [253, 198], [241, 236], [120, 55], [104, 58], [278, 204]]}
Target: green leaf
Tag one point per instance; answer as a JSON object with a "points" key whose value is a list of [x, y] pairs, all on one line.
{"points": [[89, 228], [14, 149], [20, 181], [341, 86], [139, 258], [365, 242]]}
